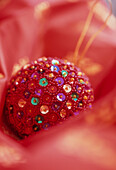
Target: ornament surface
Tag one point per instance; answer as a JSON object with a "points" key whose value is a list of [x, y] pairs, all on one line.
{"points": [[44, 93]]}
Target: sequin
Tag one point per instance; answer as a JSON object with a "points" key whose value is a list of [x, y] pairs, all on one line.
{"points": [[63, 113], [46, 125], [55, 68], [35, 128], [47, 98], [44, 109], [38, 92], [43, 82], [79, 89], [80, 104], [87, 87], [41, 71], [56, 106], [90, 105], [18, 79], [76, 113], [26, 94], [85, 97], [67, 88], [79, 73], [26, 66], [81, 81], [21, 103], [31, 85], [64, 73], [24, 80], [29, 121], [35, 101], [69, 104], [71, 80], [75, 96], [60, 81], [53, 117], [50, 75], [72, 74], [52, 89], [55, 62], [20, 114], [35, 76], [61, 97], [11, 108], [39, 119]]}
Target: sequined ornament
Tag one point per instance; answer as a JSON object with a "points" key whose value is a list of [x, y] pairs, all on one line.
{"points": [[45, 93]]}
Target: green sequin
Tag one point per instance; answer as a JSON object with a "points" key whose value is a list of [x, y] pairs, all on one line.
{"points": [[64, 73], [34, 101], [75, 96], [43, 82], [39, 119]]}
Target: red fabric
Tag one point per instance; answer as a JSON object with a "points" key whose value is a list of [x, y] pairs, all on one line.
{"points": [[89, 143]]}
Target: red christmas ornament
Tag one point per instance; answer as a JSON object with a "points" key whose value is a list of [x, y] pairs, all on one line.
{"points": [[44, 93]]}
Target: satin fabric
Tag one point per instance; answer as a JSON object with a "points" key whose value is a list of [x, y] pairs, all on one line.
{"points": [[31, 29]]}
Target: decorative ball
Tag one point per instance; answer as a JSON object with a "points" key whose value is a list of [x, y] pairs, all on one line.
{"points": [[44, 93]]}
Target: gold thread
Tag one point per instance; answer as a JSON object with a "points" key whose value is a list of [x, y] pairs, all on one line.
{"points": [[85, 29], [96, 33]]}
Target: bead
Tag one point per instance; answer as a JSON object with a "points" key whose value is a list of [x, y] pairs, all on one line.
{"points": [[61, 97], [44, 109], [43, 82], [55, 62], [55, 68], [75, 96], [63, 113], [21, 103], [34, 101], [60, 81], [64, 73], [39, 119], [67, 88], [20, 114]]}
